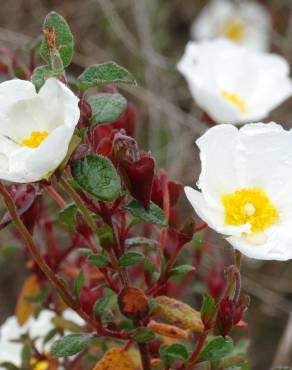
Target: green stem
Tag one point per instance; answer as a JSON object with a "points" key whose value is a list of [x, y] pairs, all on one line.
{"points": [[79, 203]]}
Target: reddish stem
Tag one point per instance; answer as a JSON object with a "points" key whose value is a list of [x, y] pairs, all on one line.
{"points": [[55, 195], [200, 227]]}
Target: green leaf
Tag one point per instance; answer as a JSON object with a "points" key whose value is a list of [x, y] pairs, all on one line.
{"points": [[25, 355], [154, 215], [98, 75], [78, 284], [131, 258], [97, 175], [173, 352], [182, 270], [100, 305], [70, 345], [208, 308], [86, 251], [143, 335], [106, 107], [105, 235], [8, 366], [98, 260], [67, 216], [216, 348], [40, 74], [64, 39], [7, 251]]}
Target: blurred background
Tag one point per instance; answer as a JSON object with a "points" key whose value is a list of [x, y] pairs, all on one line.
{"points": [[148, 38]]}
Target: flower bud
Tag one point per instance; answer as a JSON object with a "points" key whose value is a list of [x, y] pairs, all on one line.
{"points": [[225, 316]]}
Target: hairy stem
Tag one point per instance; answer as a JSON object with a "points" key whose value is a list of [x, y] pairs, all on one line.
{"points": [[38, 258]]}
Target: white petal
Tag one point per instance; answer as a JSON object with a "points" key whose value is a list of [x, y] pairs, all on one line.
{"points": [[63, 104], [29, 165], [218, 159], [265, 158], [277, 244], [213, 217]]}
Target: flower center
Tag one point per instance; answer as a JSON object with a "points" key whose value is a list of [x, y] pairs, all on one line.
{"points": [[41, 365], [249, 206], [233, 29], [35, 139], [235, 100]]}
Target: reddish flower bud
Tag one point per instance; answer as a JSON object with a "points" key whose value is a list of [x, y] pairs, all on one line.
{"points": [[216, 282], [241, 306], [138, 178], [101, 140], [174, 189], [225, 316], [127, 121]]}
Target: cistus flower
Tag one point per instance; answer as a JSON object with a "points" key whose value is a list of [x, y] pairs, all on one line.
{"points": [[233, 84], [246, 23], [35, 128], [36, 328], [245, 185]]}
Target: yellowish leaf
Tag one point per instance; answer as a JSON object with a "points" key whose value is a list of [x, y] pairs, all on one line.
{"points": [[179, 313], [115, 359], [24, 308], [169, 330]]}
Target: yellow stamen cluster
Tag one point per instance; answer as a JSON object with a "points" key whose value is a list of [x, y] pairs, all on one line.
{"points": [[249, 206], [235, 100], [35, 139], [41, 365], [233, 29]]}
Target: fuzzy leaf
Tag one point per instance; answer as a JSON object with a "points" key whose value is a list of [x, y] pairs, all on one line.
{"points": [[173, 352], [208, 309], [78, 284], [40, 74], [182, 270], [64, 38], [98, 75], [131, 258], [106, 107], [67, 216], [97, 260], [154, 215], [216, 348], [70, 345], [141, 241], [97, 175]]}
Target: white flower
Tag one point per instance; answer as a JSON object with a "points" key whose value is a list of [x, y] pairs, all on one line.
{"points": [[233, 84], [244, 22], [246, 188], [35, 129], [10, 331]]}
